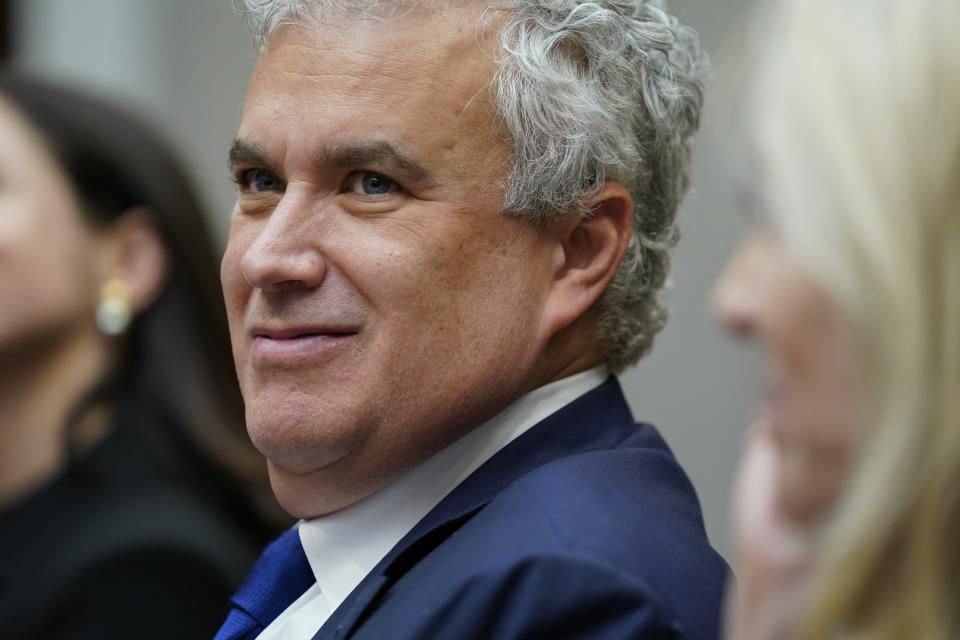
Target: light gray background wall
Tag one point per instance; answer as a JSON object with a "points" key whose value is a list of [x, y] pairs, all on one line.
{"points": [[186, 62]]}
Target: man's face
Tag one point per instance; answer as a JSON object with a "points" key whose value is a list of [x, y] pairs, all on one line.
{"points": [[380, 306]]}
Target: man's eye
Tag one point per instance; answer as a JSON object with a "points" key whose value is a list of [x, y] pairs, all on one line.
{"points": [[371, 184], [260, 180]]}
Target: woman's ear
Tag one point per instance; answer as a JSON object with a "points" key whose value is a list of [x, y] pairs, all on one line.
{"points": [[132, 250], [588, 254]]}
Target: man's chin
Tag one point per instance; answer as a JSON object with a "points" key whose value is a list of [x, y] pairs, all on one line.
{"points": [[298, 446], [316, 493]]}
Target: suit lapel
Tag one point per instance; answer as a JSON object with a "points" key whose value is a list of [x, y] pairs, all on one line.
{"points": [[600, 419]]}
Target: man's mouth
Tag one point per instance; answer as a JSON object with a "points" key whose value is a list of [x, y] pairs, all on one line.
{"points": [[294, 343]]}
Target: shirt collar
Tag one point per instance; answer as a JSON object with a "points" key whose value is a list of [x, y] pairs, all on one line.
{"points": [[344, 546]]}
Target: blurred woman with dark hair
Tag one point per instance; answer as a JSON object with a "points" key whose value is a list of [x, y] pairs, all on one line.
{"points": [[131, 502]]}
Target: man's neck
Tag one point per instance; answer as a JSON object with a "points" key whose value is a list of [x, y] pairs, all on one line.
{"points": [[569, 352]]}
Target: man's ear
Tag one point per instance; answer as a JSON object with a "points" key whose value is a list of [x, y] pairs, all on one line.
{"points": [[588, 253], [132, 250]]}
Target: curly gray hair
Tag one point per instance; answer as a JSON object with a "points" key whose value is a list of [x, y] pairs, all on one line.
{"points": [[589, 91]]}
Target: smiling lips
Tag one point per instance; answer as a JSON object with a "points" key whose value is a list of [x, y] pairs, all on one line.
{"points": [[285, 345]]}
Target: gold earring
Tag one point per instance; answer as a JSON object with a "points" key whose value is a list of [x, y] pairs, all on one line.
{"points": [[113, 312]]}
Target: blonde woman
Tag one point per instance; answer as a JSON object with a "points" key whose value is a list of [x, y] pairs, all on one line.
{"points": [[848, 506]]}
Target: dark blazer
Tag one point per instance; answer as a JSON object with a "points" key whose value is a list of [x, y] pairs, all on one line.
{"points": [[583, 527], [122, 544]]}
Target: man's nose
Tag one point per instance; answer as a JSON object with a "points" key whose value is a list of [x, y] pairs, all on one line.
{"points": [[284, 252]]}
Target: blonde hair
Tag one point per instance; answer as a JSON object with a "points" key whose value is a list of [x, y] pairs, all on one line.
{"points": [[865, 97]]}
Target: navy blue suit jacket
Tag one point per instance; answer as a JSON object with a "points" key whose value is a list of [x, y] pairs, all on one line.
{"points": [[583, 527]]}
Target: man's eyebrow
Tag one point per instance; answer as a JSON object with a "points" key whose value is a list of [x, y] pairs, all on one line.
{"points": [[374, 153], [243, 152], [381, 153]]}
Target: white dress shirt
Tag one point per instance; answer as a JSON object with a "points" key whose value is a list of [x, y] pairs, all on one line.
{"points": [[346, 545]]}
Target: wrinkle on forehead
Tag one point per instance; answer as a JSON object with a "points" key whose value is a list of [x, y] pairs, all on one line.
{"points": [[378, 10], [325, 25]]}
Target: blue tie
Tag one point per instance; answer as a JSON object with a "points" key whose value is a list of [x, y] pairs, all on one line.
{"points": [[279, 577]]}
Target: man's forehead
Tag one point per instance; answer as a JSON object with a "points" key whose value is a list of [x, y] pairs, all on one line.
{"points": [[434, 56], [372, 92]]}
